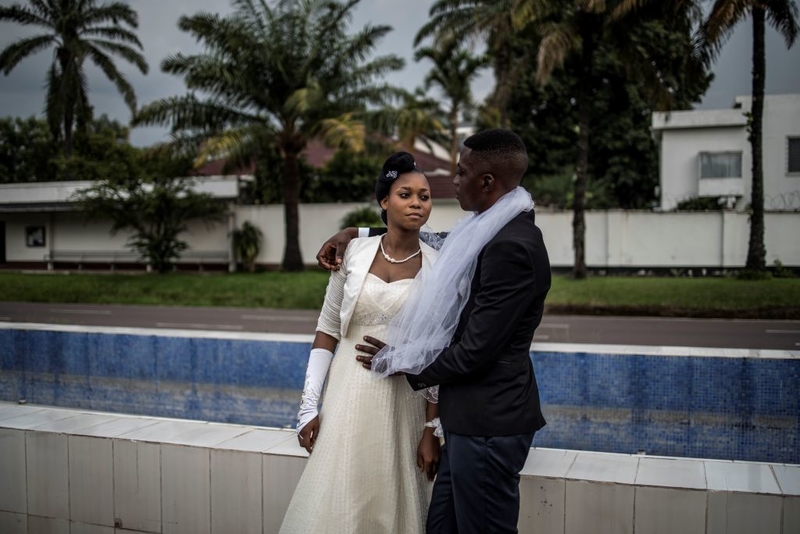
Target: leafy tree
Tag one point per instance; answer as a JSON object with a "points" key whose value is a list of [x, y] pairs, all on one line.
{"points": [[453, 71], [715, 30], [277, 75], [78, 30], [247, 244], [361, 218], [350, 176], [155, 207], [101, 151], [497, 22], [579, 31], [415, 118], [27, 151]]}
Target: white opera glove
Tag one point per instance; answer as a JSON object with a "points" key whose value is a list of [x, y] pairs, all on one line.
{"points": [[319, 361]]}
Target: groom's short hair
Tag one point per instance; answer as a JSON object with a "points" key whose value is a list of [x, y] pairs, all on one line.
{"points": [[502, 149]]}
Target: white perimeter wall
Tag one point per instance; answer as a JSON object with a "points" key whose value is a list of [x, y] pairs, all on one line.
{"points": [[615, 238]]}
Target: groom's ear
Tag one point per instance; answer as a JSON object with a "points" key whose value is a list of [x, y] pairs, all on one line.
{"points": [[487, 182]]}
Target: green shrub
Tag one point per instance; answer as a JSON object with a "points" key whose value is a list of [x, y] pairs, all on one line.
{"points": [[362, 217]]}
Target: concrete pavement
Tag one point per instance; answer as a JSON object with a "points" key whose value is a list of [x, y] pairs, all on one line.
{"points": [[652, 331]]}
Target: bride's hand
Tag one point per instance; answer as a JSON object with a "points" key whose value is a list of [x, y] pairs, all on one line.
{"points": [[428, 454], [308, 435]]}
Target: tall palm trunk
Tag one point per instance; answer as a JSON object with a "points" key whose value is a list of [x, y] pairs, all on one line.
{"points": [[756, 252], [582, 168], [502, 70], [453, 140], [69, 109], [292, 259]]}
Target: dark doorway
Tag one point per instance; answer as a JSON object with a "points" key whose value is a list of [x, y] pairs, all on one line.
{"points": [[2, 241]]}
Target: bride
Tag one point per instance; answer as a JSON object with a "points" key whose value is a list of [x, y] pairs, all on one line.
{"points": [[372, 444]]}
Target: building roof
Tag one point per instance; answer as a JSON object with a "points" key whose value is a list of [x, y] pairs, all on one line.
{"points": [[709, 118], [434, 162], [59, 196]]}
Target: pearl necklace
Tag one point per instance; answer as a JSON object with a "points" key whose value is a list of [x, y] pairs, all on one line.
{"points": [[392, 260]]}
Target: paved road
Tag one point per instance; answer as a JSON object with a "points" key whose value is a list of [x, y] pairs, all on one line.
{"points": [[721, 333]]}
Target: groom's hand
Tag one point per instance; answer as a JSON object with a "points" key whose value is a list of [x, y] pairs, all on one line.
{"points": [[331, 255], [374, 345]]}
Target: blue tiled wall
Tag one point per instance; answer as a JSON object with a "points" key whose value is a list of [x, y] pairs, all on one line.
{"points": [[239, 381], [730, 408]]}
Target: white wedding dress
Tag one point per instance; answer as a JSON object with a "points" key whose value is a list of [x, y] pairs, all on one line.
{"points": [[362, 476]]}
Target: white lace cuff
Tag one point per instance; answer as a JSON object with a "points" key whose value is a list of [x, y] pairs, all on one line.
{"points": [[436, 425]]}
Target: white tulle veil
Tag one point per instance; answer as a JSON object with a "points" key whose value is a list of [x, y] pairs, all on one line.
{"points": [[425, 325]]}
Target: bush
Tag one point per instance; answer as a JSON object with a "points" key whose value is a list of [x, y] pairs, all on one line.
{"points": [[779, 271], [700, 204], [362, 217]]}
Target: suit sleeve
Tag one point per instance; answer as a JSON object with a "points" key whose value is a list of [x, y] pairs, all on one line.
{"points": [[507, 281]]}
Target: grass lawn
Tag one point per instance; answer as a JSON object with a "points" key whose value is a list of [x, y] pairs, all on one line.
{"points": [[679, 297], [777, 298]]}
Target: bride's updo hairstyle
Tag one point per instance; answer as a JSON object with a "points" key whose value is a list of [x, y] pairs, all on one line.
{"points": [[395, 165]]}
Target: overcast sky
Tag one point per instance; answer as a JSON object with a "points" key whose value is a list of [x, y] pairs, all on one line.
{"points": [[22, 93]]}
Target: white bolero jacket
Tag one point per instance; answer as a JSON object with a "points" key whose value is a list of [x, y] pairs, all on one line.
{"points": [[344, 285]]}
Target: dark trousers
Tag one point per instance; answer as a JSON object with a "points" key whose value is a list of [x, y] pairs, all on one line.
{"points": [[477, 488]]}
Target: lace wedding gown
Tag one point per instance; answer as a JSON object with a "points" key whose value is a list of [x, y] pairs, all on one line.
{"points": [[362, 476]]}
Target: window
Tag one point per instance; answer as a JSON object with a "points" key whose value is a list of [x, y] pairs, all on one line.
{"points": [[793, 151], [34, 236], [720, 164]]}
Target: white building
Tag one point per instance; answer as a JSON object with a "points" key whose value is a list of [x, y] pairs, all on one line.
{"points": [[40, 226], [706, 153]]}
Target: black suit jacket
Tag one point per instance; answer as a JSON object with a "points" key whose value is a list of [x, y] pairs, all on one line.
{"points": [[487, 385]]}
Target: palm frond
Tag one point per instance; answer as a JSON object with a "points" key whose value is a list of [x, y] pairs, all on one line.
{"points": [[16, 52], [24, 16], [557, 41], [782, 15], [114, 33], [125, 52], [343, 132], [110, 70], [719, 25], [115, 11]]}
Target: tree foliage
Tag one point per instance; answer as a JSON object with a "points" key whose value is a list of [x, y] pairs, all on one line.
{"points": [[27, 151], [153, 205], [247, 244], [77, 30], [276, 75], [454, 69]]}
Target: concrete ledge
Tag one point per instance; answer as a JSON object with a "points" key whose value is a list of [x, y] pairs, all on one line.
{"points": [[77, 471]]}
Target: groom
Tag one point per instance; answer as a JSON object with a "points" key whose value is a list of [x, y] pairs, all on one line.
{"points": [[488, 397]]}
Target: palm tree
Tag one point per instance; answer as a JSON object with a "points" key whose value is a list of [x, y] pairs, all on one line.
{"points": [[495, 21], [453, 71], [414, 118], [275, 75], [78, 29], [577, 30], [782, 15], [572, 27]]}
